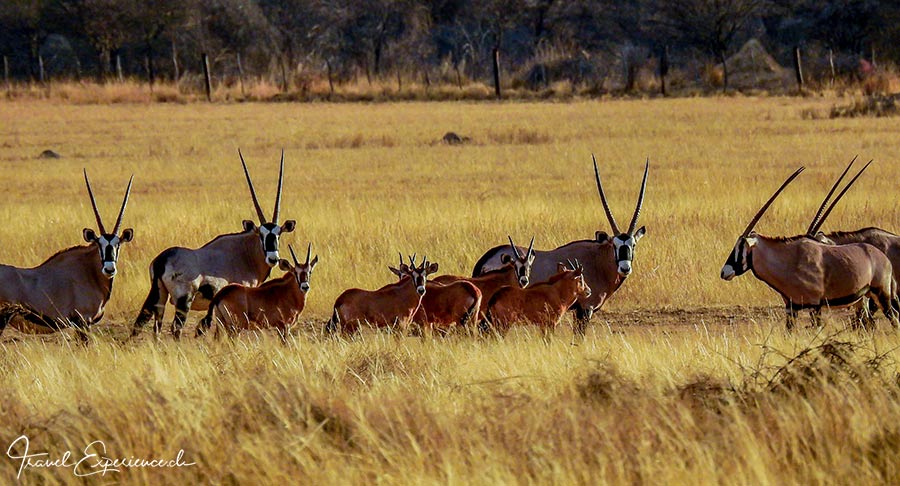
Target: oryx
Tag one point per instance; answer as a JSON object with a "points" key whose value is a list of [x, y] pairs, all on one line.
{"points": [[607, 260], [72, 287], [809, 274], [885, 241], [189, 278]]}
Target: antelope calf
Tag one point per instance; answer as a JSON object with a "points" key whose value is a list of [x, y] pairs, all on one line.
{"points": [[390, 306], [446, 305], [515, 270], [542, 304], [809, 274], [276, 303]]}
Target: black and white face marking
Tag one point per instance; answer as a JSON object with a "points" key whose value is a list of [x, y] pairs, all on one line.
{"points": [[739, 260], [624, 247], [109, 248], [269, 234], [303, 272]]}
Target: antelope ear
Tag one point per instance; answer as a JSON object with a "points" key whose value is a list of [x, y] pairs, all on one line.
{"points": [[288, 226], [284, 265], [313, 263], [561, 267], [432, 268], [601, 237], [404, 268], [505, 258], [248, 225], [395, 271], [639, 233], [127, 235], [89, 235]]}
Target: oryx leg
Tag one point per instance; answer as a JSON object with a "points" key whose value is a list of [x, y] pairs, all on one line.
{"points": [[887, 300], [791, 317], [182, 306], [815, 314], [583, 315]]}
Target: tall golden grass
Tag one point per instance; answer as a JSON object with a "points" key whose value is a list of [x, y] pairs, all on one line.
{"points": [[682, 379]]}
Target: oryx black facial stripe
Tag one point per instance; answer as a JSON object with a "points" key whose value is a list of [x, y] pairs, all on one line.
{"points": [[625, 253]]}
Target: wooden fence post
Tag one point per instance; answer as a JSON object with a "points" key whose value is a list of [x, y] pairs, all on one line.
{"points": [[207, 77], [798, 68], [663, 69], [496, 63], [240, 73]]}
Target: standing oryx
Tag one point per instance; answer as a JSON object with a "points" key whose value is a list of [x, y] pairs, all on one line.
{"points": [[72, 287], [809, 274], [607, 261], [189, 278], [885, 241]]}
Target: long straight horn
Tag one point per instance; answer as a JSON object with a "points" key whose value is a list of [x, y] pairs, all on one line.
{"points": [[812, 224], [278, 194], [838, 198], [259, 211], [609, 215], [94, 203], [294, 255], [530, 248], [124, 203], [513, 245], [308, 252], [768, 203], [640, 202]]}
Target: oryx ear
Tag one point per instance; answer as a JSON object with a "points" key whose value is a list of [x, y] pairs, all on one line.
{"points": [[505, 258], [561, 267], [404, 268], [248, 225], [395, 271], [89, 235], [601, 237], [639, 233], [432, 268], [313, 263], [288, 226], [127, 235], [284, 265]]}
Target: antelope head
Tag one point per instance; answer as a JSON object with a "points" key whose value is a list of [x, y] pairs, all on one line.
{"points": [[576, 269], [623, 242], [268, 231], [108, 243], [822, 214], [302, 271], [419, 274], [522, 263], [739, 261]]}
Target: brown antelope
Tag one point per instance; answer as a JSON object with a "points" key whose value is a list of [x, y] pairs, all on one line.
{"points": [[446, 305], [189, 278], [542, 303], [607, 260], [514, 271], [276, 303], [885, 241], [390, 306], [809, 274], [72, 287]]}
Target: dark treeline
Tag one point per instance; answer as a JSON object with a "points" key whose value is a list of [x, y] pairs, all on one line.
{"points": [[535, 42]]}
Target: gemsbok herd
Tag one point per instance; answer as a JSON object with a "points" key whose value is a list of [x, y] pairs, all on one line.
{"points": [[510, 285]]}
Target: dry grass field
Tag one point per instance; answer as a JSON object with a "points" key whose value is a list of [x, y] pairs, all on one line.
{"points": [[683, 379]]}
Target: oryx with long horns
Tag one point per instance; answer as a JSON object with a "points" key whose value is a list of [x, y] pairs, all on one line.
{"points": [[885, 241], [810, 274], [189, 278], [72, 287], [607, 260]]}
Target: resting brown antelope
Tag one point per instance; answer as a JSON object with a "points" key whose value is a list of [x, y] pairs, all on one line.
{"points": [[809, 274], [885, 241], [189, 278], [515, 270], [390, 306], [607, 260], [72, 287], [446, 305], [276, 303], [542, 303]]}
